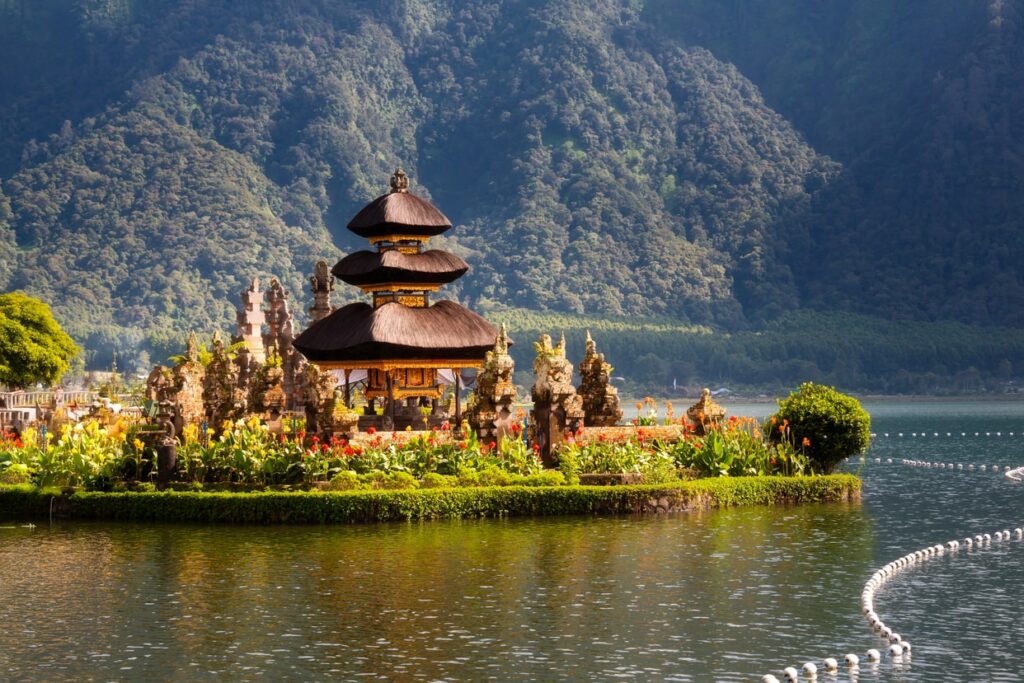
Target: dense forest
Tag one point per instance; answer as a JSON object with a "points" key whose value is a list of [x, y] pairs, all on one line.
{"points": [[734, 173]]}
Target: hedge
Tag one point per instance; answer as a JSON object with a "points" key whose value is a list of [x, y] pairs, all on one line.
{"points": [[269, 507]]}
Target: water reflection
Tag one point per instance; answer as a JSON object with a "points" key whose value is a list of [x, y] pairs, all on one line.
{"points": [[725, 595]]}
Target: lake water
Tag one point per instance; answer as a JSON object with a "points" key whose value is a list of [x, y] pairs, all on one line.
{"points": [[726, 595]]}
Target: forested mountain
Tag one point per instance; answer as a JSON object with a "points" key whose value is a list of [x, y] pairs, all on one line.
{"points": [[719, 162]]}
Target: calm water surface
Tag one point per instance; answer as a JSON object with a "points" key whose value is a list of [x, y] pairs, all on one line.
{"points": [[726, 596]]}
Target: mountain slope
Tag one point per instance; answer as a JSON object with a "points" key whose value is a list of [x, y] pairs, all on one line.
{"points": [[589, 163]]}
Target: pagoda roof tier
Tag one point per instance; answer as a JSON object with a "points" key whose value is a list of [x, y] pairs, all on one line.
{"points": [[401, 214], [359, 333], [369, 268]]}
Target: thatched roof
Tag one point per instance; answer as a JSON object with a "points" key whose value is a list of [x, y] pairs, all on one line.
{"points": [[432, 267], [399, 213], [359, 332]]}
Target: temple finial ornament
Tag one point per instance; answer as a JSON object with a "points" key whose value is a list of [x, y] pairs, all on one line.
{"points": [[399, 181]]}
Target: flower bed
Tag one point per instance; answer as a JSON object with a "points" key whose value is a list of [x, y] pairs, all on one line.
{"points": [[92, 456]]}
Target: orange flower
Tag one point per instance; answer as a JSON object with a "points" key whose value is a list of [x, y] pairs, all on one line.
{"points": [[806, 442]]}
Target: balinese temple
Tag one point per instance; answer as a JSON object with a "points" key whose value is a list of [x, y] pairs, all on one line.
{"points": [[406, 345]]}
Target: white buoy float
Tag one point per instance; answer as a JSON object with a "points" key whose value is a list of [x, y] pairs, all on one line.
{"points": [[810, 669], [768, 678], [791, 673], [873, 655], [830, 664], [851, 660]]}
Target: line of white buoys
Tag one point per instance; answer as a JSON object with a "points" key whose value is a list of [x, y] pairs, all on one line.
{"points": [[1006, 469], [899, 647], [900, 435]]}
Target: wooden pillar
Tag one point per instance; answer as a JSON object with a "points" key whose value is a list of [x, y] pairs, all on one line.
{"points": [[348, 395], [458, 399], [391, 398]]}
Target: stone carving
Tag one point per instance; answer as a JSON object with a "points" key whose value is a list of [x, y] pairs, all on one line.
{"points": [[705, 414], [250, 321], [281, 334], [492, 416], [188, 385], [557, 408], [320, 399], [399, 181], [323, 284], [600, 398], [160, 384], [222, 398], [267, 388]]}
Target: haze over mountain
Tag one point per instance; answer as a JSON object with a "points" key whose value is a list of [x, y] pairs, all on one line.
{"points": [[707, 161]]}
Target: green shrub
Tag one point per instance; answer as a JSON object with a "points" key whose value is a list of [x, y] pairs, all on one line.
{"points": [[433, 480], [828, 425], [545, 478], [346, 480], [401, 480], [263, 507]]}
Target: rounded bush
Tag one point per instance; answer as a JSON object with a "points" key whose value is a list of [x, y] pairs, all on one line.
{"points": [[828, 425]]}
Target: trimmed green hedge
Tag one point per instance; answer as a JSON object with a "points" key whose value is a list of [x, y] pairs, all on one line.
{"points": [[378, 506]]}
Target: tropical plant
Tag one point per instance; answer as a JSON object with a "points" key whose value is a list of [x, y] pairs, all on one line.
{"points": [[831, 426]]}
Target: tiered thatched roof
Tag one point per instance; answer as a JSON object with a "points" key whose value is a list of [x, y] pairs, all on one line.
{"points": [[359, 332], [400, 213], [432, 267]]}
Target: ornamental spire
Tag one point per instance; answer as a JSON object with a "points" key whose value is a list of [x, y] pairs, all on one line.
{"points": [[399, 181]]}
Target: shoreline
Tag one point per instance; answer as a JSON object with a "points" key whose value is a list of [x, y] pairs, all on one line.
{"points": [[350, 507]]}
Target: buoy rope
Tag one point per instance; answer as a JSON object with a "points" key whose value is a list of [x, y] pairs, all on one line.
{"points": [[899, 648]]}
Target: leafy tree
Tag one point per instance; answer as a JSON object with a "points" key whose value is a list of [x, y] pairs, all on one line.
{"points": [[831, 426], [33, 347]]}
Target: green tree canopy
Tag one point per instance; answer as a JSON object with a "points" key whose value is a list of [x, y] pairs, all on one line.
{"points": [[33, 347], [834, 425]]}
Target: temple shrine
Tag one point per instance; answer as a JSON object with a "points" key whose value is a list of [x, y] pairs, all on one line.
{"points": [[408, 347]]}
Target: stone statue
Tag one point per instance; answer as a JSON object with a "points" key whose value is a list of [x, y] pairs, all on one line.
{"points": [[281, 334], [221, 394], [267, 389], [323, 284], [557, 408], [492, 416], [600, 398], [320, 399], [705, 414], [159, 384], [188, 384]]}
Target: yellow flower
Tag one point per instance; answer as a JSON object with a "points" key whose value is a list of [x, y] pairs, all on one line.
{"points": [[408, 428], [138, 445]]}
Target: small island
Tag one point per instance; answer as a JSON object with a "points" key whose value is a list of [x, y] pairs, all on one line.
{"points": [[360, 417]]}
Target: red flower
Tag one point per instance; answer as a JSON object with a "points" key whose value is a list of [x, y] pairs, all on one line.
{"points": [[349, 451], [515, 428], [445, 426], [315, 439], [536, 448], [371, 430]]}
